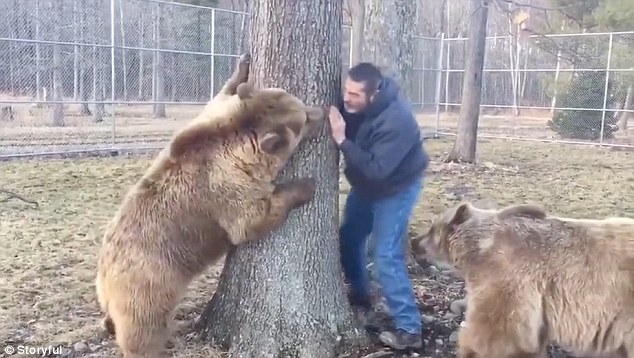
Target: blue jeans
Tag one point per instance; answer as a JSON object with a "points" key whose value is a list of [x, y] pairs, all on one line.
{"points": [[387, 219]]}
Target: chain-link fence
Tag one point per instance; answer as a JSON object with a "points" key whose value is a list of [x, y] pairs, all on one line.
{"points": [[565, 87], [77, 75]]}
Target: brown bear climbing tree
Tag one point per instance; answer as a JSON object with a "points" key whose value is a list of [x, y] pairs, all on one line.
{"points": [[284, 296]]}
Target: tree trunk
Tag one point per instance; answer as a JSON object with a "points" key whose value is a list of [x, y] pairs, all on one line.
{"points": [[406, 15], [141, 84], [84, 110], [464, 149], [38, 56], [357, 12], [58, 108], [283, 296], [76, 30], [123, 52], [98, 69], [158, 72], [628, 106], [389, 38]]}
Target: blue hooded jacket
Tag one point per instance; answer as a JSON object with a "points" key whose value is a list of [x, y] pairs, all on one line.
{"points": [[383, 150]]}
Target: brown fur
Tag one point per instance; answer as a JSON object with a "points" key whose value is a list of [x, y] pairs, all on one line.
{"points": [[524, 210], [533, 281], [210, 188]]}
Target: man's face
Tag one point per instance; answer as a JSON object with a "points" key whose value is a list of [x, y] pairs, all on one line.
{"points": [[355, 98]]}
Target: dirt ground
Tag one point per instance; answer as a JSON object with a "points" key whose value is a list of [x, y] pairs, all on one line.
{"points": [[48, 256]]}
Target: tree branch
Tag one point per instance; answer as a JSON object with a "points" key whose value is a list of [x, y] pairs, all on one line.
{"points": [[12, 195], [536, 7], [559, 9]]}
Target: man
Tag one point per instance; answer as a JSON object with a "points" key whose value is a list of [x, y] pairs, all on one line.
{"points": [[385, 161]]}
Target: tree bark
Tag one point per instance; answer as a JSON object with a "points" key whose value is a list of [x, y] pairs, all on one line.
{"points": [[158, 70], [58, 108], [76, 24], [38, 56], [98, 69], [283, 296], [628, 106], [84, 110], [357, 13], [389, 38], [464, 149]]}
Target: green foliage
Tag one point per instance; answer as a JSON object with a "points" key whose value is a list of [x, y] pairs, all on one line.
{"points": [[615, 15], [578, 13], [606, 15], [585, 90]]}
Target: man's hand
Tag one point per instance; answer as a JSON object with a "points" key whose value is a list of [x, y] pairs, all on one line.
{"points": [[337, 125]]}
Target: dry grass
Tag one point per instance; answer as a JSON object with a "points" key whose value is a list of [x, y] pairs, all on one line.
{"points": [[47, 264]]}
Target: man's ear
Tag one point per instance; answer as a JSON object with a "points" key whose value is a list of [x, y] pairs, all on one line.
{"points": [[272, 142], [462, 214], [373, 96]]}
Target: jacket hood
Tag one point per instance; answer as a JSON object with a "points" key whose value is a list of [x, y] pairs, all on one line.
{"points": [[387, 93]]}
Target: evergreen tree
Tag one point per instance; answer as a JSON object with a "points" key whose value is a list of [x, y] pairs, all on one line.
{"points": [[585, 90]]}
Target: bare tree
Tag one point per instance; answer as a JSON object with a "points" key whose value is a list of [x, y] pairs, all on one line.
{"points": [[58, 107], [38, 55], [98, 66], [141, 59], [83, 75], [357, 13], [284, 295], [158, 73], [628, 107], [76, 29], [464, 149], [123, 52], [389, 35]]}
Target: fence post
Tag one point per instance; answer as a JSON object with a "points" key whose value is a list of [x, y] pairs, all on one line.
{"points": [[605, 91], [112, 70], [438, 81], [213, 52]]}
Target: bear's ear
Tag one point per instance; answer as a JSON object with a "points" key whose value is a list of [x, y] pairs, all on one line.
{"points": [[316, 113], [188, 139], [245, 90], [273, 141], [462, 214]]}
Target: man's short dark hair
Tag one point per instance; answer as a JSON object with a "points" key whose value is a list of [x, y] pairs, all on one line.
{"points": [[367, 73]]}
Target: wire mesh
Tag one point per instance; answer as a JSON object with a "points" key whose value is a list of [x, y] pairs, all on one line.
{"points": [[79, 75], [564, 87]]}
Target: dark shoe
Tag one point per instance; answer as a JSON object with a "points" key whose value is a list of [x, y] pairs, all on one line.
{"points": [[401, 340]]}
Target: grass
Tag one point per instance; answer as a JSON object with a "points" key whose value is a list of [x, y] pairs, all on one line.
{"points": [[48, 256]]}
